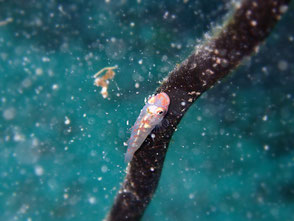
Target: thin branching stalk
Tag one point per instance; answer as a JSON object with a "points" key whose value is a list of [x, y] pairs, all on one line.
{"points": [[250, 24]]}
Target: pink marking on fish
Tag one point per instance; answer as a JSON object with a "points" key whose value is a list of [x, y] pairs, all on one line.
{"points": [[151, 115]]}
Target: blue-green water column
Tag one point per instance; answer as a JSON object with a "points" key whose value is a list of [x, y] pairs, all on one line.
{"points": [[61, 143]]}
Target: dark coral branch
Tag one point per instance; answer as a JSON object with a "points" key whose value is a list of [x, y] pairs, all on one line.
{"points": [[250, 24]]}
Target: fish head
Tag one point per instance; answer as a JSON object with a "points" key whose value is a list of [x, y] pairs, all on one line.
{"points": [[157, 108]]}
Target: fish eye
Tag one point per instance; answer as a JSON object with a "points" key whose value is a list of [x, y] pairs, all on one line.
{"points": [[160, 112]]}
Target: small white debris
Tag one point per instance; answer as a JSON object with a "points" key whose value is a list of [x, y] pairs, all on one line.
{"points": [[283, 65], [266, 147], [283, 8], [9, 113], [166, 15], [45, 59], [39, 171], [104, 169], [264, 118], [152, 169], [140, 61], [132, 24], [137, 85], [39, 71], [183, 103], [153, 136], [253, 23], [92, 200], [55, 87], [99, 178], [67, 121], [191, 196], [26, 83], [18, 137]]}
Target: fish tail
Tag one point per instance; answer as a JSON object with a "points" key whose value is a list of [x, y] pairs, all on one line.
{"points": [[129, 155]]}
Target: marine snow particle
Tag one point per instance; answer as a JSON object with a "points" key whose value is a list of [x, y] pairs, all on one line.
{"points": [[266, 147], [137, 85], [45, 59], [283, 65], [39, 171], [264, 118], [104, 169], [253, 23], [9, 113], [67, 120], [55, 87], [283, 8], [92, 200], [191, 196], [26, 83], [39, 71]]}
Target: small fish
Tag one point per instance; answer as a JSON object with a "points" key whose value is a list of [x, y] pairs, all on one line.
{"points": [[151, 115]]}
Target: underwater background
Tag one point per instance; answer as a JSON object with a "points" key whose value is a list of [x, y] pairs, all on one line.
{"points": [[61, 142]]}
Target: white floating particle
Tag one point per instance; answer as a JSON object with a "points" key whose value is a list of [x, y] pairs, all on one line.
{"points": [[92, 200], [137, 85], [55, 87], [264, 118], [253, 23], [166, 15], [104, 169], [183, 103], [283, 8], [99, 178], [45, 59], [67, 120], [9, 113], [152, 169], [266, 147], [152, 136], [39, 171], [39, 71], [26, 83], [283, 65], [191, 196], [140, 61], [132, 24], [18, 137]]}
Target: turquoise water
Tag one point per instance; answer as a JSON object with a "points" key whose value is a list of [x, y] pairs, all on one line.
{"points": [[61, 143]]}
